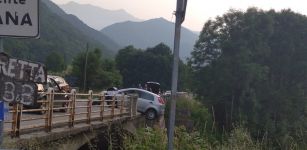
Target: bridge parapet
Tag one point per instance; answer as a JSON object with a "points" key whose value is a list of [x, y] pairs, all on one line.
{"points": [[67, 110]]}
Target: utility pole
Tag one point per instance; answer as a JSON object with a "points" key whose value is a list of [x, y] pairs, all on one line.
{"points": [[85, 66], [180, 16]]}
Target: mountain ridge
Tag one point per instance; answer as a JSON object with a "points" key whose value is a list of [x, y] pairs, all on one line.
{"points": [[89, 14], [150, 33], [57, 34]]}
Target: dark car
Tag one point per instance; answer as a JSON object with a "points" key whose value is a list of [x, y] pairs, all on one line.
{"points": [[111, 92], [153, 87], [42, 95]]}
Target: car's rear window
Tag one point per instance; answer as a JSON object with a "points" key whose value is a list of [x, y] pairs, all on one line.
{"points": [[146, 96]]}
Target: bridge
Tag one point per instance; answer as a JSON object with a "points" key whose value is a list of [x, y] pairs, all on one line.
{"points": [[68, 126]]}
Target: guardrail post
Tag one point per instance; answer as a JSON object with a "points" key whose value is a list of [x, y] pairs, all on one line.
{"points": [[50, 98], [89, 106], [134, 108], [72, 106], [19, 116], [14, 119], [102, 100], [129, 97], [122, 105], [113, 107], [47, 105]]}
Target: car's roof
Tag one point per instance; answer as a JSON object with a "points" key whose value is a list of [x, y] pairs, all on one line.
{"points": [[151, 82], [137, 89]]}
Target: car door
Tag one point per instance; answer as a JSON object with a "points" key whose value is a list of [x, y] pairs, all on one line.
{"points": [[145, 100], [52, 83]]}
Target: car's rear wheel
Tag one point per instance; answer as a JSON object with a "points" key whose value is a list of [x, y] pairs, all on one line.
{"points": [[151, 114]]}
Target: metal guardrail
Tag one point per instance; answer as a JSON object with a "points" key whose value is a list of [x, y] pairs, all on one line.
{"points": [[79, 108]]}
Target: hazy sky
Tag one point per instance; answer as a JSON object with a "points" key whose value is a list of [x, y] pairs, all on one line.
{"points": [[198, 11]]}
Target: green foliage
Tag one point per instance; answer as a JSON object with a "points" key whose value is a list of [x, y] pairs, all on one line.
{"points": [[99, 73], [55, 62], [251, 67], [137, 66], [154, 64], [149, 138], [57, 34]]}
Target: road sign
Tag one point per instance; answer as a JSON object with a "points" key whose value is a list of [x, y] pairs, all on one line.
{"points": [[22, 70], [19, 18], [17, 92], [18, 79]]}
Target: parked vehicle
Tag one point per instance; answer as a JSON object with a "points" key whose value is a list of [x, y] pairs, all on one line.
{"points": [[61, 82], [42, 95], [148, 103], [153, 87], [109, 94]]}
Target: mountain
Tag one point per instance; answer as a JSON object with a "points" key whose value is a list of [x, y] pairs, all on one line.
{"points": [[97, 17], [150, 33], [60, 33], [85, 29]]}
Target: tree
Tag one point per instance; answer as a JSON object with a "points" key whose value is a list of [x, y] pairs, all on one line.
{"points": [[99, 73], [251, 67], [138, 67], [55, 62]]}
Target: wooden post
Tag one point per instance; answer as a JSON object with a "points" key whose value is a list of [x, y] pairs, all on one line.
{"points": [[89, 106], [135, 98], [113, 106], [19, 116], [102, 100], [14, 118], [50, 109], [130, 100], [72, 108], [122, 105], [48, 95]]}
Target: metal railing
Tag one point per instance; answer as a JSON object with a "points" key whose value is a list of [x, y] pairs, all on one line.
{"points": [[74, 108]]}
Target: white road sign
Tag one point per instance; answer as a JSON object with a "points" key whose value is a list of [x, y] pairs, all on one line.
{"points": [[19, 18]]}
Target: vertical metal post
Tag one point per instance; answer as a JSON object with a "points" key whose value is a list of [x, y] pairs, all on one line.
{"points": [[180, 12], [85, 66], [89, 106]]}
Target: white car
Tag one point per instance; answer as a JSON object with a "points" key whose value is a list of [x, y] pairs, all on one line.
{"points": [[148, 103]]}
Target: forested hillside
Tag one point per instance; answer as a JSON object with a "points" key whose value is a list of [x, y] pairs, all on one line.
{"points": [[150, 33], [250, 69], [57, 34]]}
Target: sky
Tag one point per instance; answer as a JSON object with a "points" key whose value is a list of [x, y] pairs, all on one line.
{"points": [[198, 11]]}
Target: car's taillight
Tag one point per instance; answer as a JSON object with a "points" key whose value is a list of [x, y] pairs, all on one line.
{"points": [[161, 100]]}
